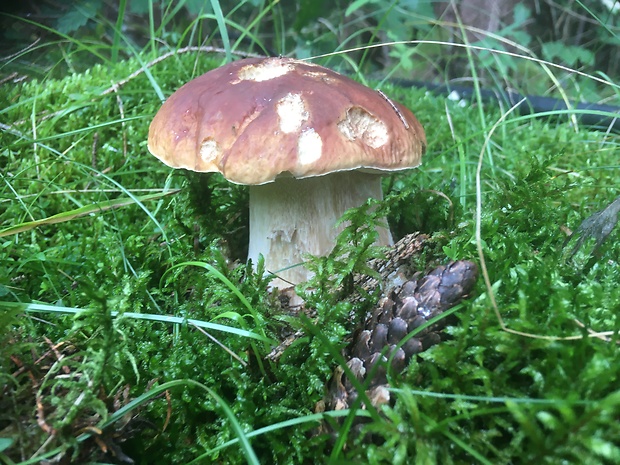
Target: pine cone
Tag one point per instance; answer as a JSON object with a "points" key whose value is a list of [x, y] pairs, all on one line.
{"points": [[403, 311]]}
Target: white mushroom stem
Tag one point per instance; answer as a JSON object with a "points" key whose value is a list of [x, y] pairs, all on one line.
{"points": [[290, 218]]}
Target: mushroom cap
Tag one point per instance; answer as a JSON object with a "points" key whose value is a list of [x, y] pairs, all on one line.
{"points": [[255, 119]]}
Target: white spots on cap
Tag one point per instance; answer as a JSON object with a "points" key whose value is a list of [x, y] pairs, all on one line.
{"points": [[318, 75], [268, 69], [309, 147], [209, 150], [359, 124], [292, 113]]}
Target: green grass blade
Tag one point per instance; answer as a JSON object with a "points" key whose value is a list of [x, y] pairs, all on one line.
{"points": [[249, 453], [242, 437], [315, 417], [81, 45], [221, 23], [118, 29], [219, 275], [47, 308], [81, 212]]}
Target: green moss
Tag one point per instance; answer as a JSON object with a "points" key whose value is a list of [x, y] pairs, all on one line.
{"points": [[543, 181]]}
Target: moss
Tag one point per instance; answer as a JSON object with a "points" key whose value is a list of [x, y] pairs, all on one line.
{"points": [[503, 398]]}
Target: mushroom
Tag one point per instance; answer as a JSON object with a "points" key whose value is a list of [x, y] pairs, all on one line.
{"points": [[309, 142]]}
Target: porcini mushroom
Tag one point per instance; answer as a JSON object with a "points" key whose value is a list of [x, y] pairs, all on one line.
{"points": [[309, 142]]}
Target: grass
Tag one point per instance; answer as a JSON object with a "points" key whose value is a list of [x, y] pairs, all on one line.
{"points": [[129, 323]]}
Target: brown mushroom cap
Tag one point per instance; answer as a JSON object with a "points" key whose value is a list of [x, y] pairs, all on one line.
{"points": [[256, 119]]}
